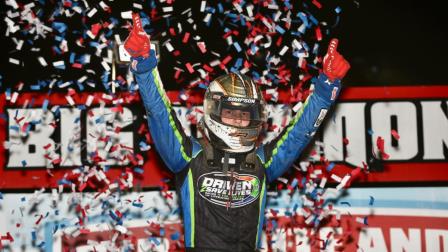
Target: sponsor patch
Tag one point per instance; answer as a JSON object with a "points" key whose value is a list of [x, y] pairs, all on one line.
{"points": [[320, 118], [240, 100], [334, 93], [217, 188], [134, 64]]}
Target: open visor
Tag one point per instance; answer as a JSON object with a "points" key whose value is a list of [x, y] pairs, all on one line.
{"points": [[247, 112]]}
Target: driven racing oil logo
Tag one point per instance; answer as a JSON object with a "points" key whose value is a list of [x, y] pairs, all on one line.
{"points": [[217, 188]]}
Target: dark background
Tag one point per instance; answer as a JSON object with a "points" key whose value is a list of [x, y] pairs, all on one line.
{"points": [[395, 43], [387, 43]]}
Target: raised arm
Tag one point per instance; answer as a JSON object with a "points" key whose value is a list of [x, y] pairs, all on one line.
{"points": [[287, 147], [170, 140]]}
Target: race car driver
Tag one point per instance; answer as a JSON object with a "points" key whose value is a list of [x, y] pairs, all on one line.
{"points": [[221, 179]]}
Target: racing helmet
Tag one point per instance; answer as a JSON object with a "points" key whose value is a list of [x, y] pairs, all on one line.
{"points": [[234, 113]]}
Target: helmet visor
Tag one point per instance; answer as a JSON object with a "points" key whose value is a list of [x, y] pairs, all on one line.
{"points": [[235, 111]]}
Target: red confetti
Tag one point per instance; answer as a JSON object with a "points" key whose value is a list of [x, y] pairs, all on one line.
{"points": [[189, 67], [38, 220], [380, 145], [95, 28], [318, 34], [317, 4], [186, 37], [395, 134]]}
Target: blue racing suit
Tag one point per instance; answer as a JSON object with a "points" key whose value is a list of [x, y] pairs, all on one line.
{"points": [[222, 213]]}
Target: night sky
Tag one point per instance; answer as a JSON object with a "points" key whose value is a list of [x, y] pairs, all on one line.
{"points": [[395, 43], [387, 43]]}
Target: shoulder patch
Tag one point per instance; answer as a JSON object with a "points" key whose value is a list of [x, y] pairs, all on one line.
{"points": [[320, 118]]}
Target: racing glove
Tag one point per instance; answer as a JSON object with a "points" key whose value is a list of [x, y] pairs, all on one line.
{"points": [[137, 43], [335, 66]]}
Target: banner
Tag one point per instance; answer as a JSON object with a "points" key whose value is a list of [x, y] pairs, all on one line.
{"points": [[363, 219], [50, 139]]}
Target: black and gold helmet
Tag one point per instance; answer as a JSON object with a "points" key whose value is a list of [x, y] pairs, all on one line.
{"points": [[234, 112]]}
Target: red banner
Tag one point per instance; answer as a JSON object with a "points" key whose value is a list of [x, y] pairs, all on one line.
{"points": [[418, 144]]}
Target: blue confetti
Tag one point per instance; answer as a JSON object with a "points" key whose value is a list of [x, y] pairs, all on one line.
{"points": [[33, 235], [60, 27], [99, 120], [15, 128], [296, 206], [113, 216], [154, 240], [35, 87], [338, 10], [72, 58], [175, 236], [302, 17], [45, 105], [330, 167], [137, 204], [372, 200], [280, 29], [63, 182], [138, 170], [294, 182], [55, 229], [274, 224], [346, 203], [41, 244], [143, 145]]}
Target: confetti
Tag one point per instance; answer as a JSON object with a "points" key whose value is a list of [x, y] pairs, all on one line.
{"points": [[371, 201], [256, 37], [395, 135], [380, 146], [362, 220]]}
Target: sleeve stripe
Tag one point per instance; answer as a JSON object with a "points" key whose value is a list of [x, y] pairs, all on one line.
{"points": [[261, 212], [168, 109], [192, 220], [285, 136]]}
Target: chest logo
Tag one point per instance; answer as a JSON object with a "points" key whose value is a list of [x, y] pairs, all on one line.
{"points": [[223, 190]]}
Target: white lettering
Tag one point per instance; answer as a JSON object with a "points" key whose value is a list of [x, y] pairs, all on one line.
{"points": [[240, 99], [372, 240], [434, 238], [301, 239], [145, 244], [207, 182], [29, 147], [101, 135], [247, 185], [218, 183], [400, 242], [355, 130], [328, 233], [278, 240], [406, 116], [70, 137], [435, 130]]}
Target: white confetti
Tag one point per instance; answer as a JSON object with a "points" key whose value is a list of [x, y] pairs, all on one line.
{"points": [[92, 12], [42, 61]]}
